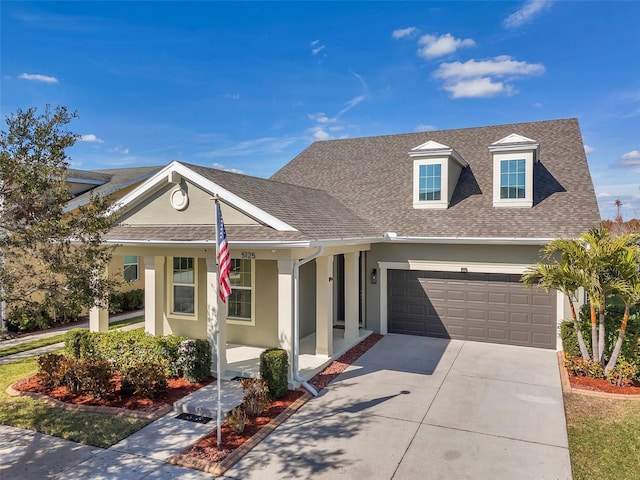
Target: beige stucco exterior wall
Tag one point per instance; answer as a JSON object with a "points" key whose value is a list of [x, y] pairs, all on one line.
{"points": [[400, 252], [265, 331], [157, 209]]}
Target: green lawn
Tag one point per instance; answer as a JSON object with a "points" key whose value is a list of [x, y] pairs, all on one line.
{"points": [[95, 429], [604, 437]]}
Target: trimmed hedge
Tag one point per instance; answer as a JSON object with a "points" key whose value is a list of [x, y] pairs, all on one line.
{"points": [[126, 301], [194, 359], [274, 369]]}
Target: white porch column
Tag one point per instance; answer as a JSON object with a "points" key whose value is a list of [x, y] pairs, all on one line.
{"points": [[154, 295], [285, 312], [215, 322], [351, 296], [324, 305], [99, 317]]}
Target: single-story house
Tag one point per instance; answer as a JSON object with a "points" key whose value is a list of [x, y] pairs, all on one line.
{"points": [[421, 234]]}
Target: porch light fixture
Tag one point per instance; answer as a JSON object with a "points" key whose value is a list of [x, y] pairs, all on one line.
{"points": [[464, 270], [374, 276]]}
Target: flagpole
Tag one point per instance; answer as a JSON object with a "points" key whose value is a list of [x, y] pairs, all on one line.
{"points": [[218, 369]]}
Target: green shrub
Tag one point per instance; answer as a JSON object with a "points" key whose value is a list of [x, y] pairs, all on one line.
{"points": [[579, 367], [52, 369], [237, 419], [95, 377], [255, 396], [169, 351], [27, 318], [274, 369], [613, 320], [623, 373], [64, 311], [195, 359], [126, 301], [79, 343], [146, 379], [126, 349]]}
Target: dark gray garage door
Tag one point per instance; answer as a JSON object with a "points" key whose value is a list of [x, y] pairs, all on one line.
{"points": [[484, 307]]}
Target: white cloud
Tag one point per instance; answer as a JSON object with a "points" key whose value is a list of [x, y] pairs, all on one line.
{"points": [[434, 46], [482, 87], [90, 138], [498, 66], [529, 10], [475, 78], [320, 117], [122, 150], [629, 159], [425, 128], [36, 77], [604, 195], [220, 166], [233, 96], [588, 149], [320, 134], [537, 105], [404, 32], [316, 47], [264, 145]]}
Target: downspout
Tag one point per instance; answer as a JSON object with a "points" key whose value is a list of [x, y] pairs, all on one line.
{"points": [[296, 318]]}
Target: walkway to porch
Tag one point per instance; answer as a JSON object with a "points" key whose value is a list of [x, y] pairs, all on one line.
{"points": [[244, 361]]}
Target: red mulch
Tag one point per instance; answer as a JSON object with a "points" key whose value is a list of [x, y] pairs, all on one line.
{"points": [[178, 388], [603, 385], [207, 449], [326, 376]]}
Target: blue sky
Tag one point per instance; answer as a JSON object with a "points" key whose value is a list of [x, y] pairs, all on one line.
{"points": [[248, 85]]}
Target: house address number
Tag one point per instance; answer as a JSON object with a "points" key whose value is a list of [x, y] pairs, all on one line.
{"points": [[249, 255]]}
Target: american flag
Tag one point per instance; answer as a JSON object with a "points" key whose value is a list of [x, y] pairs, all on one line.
{"points": [[224, 259]]}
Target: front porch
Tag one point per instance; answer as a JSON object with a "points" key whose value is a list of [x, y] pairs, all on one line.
{"points": [[244, 361]]}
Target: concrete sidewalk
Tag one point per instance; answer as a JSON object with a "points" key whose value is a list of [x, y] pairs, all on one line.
{"points": [[417, 407]]}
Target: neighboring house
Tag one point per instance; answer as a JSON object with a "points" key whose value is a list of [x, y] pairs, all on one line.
{"points": [[422, 234]]}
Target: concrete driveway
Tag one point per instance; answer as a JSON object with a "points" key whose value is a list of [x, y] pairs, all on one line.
{"points": [[415, 407]]}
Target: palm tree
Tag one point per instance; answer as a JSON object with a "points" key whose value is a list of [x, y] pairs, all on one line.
{"points": [[628, 289], [562, 276]]}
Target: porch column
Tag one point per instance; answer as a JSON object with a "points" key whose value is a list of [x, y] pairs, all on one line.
{"points": [[285, 312], [216, 323], [154, 295], [324, 306], [351, 296], [99, 317]]}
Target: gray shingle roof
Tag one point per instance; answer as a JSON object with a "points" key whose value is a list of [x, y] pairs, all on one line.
{"points": [[373, 177], [313, 212], [114, 179]]}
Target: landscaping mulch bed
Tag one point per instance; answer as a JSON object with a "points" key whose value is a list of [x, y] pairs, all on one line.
{"points": [[178, 388], [206, 453], [603, 385], [207, 448]]}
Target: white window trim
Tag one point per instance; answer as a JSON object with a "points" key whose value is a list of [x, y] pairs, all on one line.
{"points": [[444, 183], [245, 321], [125, 264], [527, 201], [178, 315]]}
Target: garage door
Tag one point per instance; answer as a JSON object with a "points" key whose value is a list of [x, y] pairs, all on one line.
{"points": [[484, 307]]}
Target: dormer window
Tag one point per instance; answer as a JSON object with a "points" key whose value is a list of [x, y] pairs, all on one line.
{"points": [[436, 169], [513, 160]]}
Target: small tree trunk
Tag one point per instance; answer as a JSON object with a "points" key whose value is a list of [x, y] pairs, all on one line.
{"points": [[594, 333], [601, 336], [616, 350], [583, 348]]}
